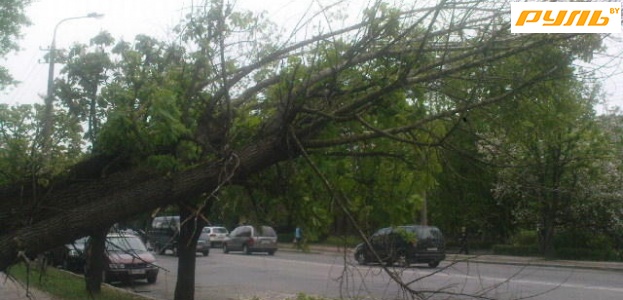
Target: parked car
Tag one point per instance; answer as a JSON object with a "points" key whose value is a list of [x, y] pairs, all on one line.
{"points": [[163, 234], [404, 245], [75, 259], [127, 258], [249, 239], [69, 256], [203, 244], [217, 235]]}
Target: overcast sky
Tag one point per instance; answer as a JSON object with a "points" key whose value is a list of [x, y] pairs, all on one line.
{"points": [[124, 19]]}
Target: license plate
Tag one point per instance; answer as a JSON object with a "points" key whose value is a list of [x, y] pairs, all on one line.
{"points": [[431, 249], [265, 242], [136, 272]]}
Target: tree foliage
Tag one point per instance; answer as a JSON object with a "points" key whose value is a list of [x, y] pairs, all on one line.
{"points": [[21, 158], [12, 18]]}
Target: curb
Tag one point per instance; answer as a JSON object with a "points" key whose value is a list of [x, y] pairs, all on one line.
{"points": [[537, 262]]}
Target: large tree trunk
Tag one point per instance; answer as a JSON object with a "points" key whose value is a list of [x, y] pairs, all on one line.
{"points": [[546, 235], [190, 229], [91, 199], [94, 270]]}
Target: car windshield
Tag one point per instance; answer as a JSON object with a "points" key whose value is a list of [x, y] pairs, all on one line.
{"points": [[130, 244]]}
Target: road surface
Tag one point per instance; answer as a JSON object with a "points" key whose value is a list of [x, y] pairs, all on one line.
{"points": [[238, 276]]}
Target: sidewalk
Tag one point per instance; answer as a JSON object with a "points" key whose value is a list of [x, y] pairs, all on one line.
{"points": [[489, 259], [13, 290]]}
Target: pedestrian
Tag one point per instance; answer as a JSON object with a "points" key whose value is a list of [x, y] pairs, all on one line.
{"points": [[463, 241], [298, 237]]}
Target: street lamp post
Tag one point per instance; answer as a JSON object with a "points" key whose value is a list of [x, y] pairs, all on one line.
{"points": [[48, 122]]}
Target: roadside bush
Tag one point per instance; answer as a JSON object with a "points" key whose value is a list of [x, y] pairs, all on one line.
{"points": [[343, 241], [523, 243], [525, 238], [516, 250], [582, 239], [568, 244], [584, 245], [587, 254], [285, 237], [474, 244]]}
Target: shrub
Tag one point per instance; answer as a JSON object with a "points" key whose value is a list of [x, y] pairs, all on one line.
{"points": [[587, 254], [343, 241], [570, 239], [285, 237], [516, 250], [525, 238]]}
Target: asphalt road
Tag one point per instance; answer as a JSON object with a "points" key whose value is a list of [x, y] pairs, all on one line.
{"points": [[239, 276]]}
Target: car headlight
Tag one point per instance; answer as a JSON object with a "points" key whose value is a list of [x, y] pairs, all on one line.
{"points": [[116, 266]]}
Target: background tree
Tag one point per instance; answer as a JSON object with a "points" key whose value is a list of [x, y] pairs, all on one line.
{"points": [[12, 18], [557, 112], [595, 219], [85, 72], [544, 141]]}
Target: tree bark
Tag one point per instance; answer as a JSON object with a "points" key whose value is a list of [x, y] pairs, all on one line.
{"points": [[94, 269], [190, 230]]}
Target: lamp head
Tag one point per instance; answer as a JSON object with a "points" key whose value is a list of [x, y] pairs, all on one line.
{"points": [[95, 15]]}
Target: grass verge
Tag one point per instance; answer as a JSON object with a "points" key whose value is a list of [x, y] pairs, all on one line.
{"points": [[63, 285]]}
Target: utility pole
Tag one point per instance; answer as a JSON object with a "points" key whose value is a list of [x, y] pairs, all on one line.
{"points": [[48, 117], [424, 210]]}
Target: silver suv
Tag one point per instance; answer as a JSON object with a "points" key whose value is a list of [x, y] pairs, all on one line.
{"points": [[217, 235], [249, 239]]}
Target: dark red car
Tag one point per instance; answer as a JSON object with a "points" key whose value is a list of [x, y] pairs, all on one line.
{"points": [[128, 259]]}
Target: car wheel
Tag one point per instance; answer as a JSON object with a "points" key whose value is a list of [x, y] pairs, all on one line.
{"points": [[225, 248], [152, 278], [433, 264], [271, 252], [361, 258], [403, 260], [246, 249], [206, 253]]}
